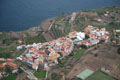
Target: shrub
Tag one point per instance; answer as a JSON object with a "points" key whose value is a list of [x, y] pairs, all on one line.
{"points": [[9, 41], [11, 77], [35, 39], [55, 76], [118, 50], [61, 62], [2, 36], [79, 54], [40, 74], [83, 46], [87, 36], [7, 52]]}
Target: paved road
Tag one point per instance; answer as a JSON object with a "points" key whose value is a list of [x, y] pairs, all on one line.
{"points": [[29, 74]]}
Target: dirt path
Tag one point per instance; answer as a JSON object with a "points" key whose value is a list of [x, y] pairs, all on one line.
{"points": [[78, 67], [107, 58], [21, 76]]}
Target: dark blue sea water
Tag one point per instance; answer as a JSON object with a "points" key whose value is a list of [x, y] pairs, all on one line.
{"points": [[16, 15]]}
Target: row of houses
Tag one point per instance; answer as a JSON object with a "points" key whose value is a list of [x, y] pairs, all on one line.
{"points": [[7, 63]]}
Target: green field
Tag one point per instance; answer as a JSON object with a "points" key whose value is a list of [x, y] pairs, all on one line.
{"points": [[7, 52], [11, 77], [8, 41], [34, 39], [78, 54], [99, 75], [2, 36], [55, 76], [19, 53], [40, 74]]}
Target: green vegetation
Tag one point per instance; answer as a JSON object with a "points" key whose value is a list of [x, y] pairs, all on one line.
{"points": [[11, 77], [19, 53], [79, 27], [2, 36], [40, 74], [79, 19], [84, 74], [61, 62], [61, 26], [78, 54], [35, 39], [99, 75], [113, 38], [55, 76], [82, 19], [8, 41], [8, 69], [118, 50], [116, 39], [7, 52], [113, 17], [100, 11], [57, 33], [111, 26]]}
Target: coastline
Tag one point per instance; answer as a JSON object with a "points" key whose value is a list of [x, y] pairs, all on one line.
{"points": [[38, 26], [92, 17], [54, 28]]}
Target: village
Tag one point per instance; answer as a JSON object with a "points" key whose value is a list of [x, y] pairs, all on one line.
{"points": [[47, 54], [64, 48]]}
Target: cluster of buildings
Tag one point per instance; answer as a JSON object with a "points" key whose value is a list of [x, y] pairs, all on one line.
{"points": [[91, 36], [47, 53], [7, 63]]}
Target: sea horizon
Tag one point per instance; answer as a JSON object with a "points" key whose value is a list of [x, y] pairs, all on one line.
{"points": [[21, 15]]}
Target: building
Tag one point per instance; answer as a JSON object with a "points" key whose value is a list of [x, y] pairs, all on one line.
{"points": [[2, 66], [12, 65], [46, 54]]}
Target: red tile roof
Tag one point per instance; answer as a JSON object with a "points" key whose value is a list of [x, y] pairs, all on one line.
{"points": [[2, 67], [12, 65]]}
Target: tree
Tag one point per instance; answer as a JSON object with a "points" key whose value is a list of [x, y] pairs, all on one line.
{"points": [[118, 50], [8, 70], [55, 76], [87, 36]]}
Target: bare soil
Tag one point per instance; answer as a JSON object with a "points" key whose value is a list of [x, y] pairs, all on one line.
{"points": [[106, 58]]}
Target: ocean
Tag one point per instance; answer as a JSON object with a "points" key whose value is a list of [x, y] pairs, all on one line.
{"points": [[17, 15]]}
